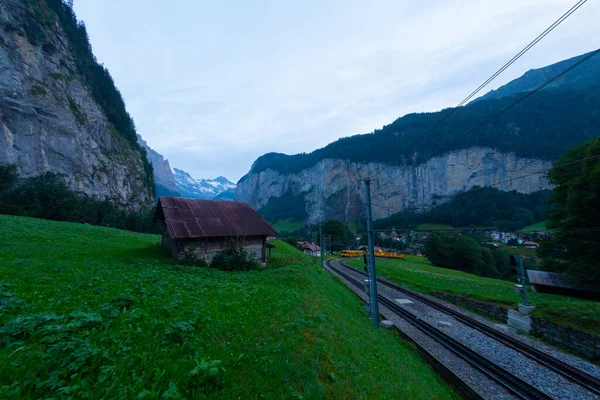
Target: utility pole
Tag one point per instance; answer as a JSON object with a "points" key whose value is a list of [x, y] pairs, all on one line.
{"points": [[321, 242], [371, 258], [522, 276]]}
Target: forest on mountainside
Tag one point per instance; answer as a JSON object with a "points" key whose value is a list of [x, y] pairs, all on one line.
{"points": [[541, 127], [480, 206]]}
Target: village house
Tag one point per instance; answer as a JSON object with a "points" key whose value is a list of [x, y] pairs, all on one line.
{"points": [[310, 249], [199, 229], [530, 245]]}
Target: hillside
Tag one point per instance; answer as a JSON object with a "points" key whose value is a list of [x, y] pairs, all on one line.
{"points": [[585, 76], [521, 141], [91, 312], [60, 109]]}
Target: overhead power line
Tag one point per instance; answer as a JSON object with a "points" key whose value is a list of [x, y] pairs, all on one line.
{"points": [[592, 54], [597, 156], [541, 171], [521, 99], [510, 62]]}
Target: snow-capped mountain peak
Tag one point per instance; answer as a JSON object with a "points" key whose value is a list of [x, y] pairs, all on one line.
{"points": [[202, 188]]}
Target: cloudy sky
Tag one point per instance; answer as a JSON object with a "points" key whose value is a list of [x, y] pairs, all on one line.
{"points": [[212, 85]]}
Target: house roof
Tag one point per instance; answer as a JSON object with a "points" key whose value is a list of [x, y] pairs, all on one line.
{"points": [[552, 279], [309, 246], [193, 218]]}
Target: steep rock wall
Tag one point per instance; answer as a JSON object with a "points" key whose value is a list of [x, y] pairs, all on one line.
{"points": [[331, 187], [49, 121], [163, 174]]}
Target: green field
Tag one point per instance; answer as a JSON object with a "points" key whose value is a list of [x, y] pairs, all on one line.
{"points": [[287, 225], [537, 227], [91, 312], [520, 250], [433, 226], [418, 274]]}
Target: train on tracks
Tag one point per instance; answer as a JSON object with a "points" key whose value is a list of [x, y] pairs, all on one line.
{"points": [[381, 254]]}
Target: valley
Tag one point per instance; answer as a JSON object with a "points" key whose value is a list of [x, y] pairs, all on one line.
{"points": [[378, 243]]}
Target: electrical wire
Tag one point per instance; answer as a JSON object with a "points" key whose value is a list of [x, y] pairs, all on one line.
{"points": [[522, 98], [510, 62]]}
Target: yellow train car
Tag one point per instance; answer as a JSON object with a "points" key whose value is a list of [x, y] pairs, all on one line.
{"points": [[352, 253], [387, 254], [382, 254]]}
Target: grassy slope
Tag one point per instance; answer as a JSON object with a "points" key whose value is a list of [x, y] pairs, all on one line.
{"points": [[418, 274], [520, 250], [537, 227], [433, 226], [101, 313], [287, 225]]}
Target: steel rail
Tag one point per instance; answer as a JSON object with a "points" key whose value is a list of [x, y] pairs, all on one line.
{"points": [[570, 372], [516, 385]]}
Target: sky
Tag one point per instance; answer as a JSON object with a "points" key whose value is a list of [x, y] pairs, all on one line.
{"points": [[213, 85]]}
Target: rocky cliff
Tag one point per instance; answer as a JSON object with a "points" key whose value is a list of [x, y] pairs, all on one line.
{"points": [[51, 122], [163, 174], [330, 188]]}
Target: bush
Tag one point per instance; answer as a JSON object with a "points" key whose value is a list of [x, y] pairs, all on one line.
{"points": [[233, 258], [463, 253]]}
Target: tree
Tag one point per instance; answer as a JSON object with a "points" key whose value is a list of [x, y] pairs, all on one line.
{"points": [[575, 214], [465, 254], [513, 242], [438, 249], [340, 235]]}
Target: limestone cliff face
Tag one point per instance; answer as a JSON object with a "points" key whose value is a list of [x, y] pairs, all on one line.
{"points": [[48, 119], [163, 174], [330, 187]]}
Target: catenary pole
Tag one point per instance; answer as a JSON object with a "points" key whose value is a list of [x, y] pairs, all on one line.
{"points": [[522, 276], [371, 258], [321, 242]]}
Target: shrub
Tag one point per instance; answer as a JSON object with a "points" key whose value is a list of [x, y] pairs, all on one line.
{"points": [[233, 258], [463, 253]]}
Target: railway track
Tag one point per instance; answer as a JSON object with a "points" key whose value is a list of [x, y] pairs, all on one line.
{"points": [[573, 374], [515, 385]]}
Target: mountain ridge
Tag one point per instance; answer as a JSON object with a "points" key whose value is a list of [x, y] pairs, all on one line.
{"points": [[453, 157], [207, 189], [585, 75]]}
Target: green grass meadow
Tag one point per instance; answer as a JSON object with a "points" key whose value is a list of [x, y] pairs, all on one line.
{"points": [[418, 274], [287, 225], [93, 313], [537, 227]]}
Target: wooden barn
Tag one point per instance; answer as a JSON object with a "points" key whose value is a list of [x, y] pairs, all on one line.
{"points": [[202, 228]]}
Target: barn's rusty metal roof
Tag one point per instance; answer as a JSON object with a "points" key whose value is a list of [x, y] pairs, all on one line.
{"points": [[193, 218], [552, 279]]}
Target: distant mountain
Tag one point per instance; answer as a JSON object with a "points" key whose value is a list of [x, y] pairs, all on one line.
{"points": [[229, 194], [419, 167], [583, 76], [163, 176], [203, 188]]}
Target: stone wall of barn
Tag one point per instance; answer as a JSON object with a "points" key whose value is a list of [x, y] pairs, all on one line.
{"points": [[205, 249]]}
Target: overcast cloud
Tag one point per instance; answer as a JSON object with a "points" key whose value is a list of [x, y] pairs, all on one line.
{"points": [[214, 85]]}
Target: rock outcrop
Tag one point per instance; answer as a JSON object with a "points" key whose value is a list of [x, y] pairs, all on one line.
{"points": [[331, 187], [163, 174], [50, 122]]}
